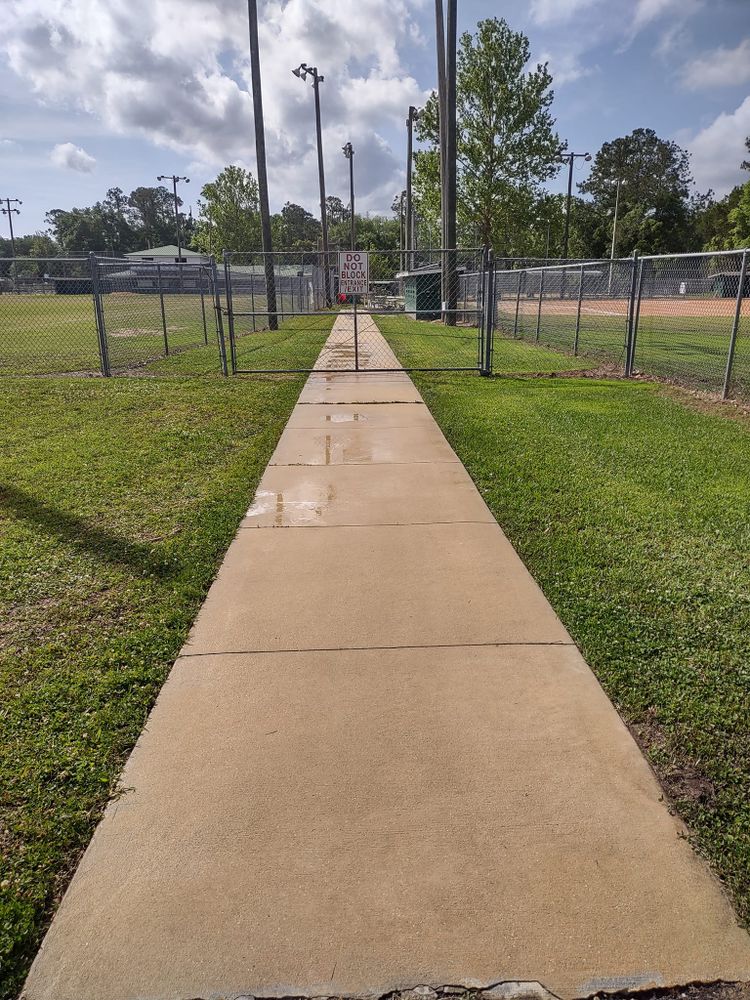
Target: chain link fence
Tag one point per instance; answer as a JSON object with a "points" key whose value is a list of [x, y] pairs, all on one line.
{"points": [[102, 316], [684, 318], [428, 305]]}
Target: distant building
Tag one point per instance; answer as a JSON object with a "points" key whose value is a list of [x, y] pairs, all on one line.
{"points": [[167, 255]]}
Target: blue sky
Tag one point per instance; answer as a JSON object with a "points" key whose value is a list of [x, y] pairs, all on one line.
{"points": [[101, 93]]}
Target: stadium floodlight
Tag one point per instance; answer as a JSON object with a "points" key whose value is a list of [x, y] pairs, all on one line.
{"points": [[303, 71]]}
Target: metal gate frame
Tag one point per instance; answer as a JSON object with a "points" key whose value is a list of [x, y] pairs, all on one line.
{"points": [[484, 311]]}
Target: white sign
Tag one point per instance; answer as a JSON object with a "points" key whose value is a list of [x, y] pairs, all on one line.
{"points": [[354, 272]]}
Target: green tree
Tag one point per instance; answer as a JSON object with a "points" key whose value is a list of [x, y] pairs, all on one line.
{"points": [[296, 229], [655, 187], [506, 145], [229, 216], [739, 218], [151, 214], [336, 210]]}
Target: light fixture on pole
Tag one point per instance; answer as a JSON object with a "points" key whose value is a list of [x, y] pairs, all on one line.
{"points": [[302, 72], [570, 159], [175, 179], [349, 154]]}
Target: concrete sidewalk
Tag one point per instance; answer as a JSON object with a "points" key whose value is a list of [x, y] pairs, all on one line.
{"points": [[380, 761]]}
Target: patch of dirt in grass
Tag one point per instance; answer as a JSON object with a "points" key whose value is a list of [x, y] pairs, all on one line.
{"points": [[681, 781], [135, 331]]}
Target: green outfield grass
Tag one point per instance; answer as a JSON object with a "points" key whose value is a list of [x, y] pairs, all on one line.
{"points": [[632, 511], [56, 334], [689, 348], [118, 498]]}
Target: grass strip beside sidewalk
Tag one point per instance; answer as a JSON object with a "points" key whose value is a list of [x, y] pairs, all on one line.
{"points": [[118, 499], [632, 510]]}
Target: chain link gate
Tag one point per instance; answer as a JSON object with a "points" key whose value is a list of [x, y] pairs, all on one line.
{"points": [[426, 310], [150, 311]]}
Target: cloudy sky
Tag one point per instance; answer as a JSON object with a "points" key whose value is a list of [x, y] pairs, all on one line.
{"points": [[102, 93]]}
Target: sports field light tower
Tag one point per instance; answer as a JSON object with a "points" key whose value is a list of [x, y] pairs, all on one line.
{"points": [[175, 179], [349, 154], [302, 72], [570, 159]]}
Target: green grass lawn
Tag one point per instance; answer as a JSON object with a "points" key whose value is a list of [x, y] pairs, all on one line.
{"points": [[691, 349], [117, 501], [419, 343], [632, 510]]}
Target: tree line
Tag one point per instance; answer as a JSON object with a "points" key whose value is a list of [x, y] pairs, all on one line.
{"points": [[507, 151]]}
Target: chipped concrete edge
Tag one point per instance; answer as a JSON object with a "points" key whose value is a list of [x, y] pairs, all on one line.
{"points": [[615, 988]]}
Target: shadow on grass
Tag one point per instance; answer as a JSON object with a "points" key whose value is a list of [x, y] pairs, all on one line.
{"points": [[84, 535]]}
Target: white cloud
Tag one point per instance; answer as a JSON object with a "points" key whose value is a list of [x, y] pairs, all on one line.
{"points": [[647, 12], [721, 67], [72, 157], [546, 12], [566, 67], [719, 149], [177, 73]]}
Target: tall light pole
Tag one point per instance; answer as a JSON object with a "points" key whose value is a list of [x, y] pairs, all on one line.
{"points": [[413, 116], [614, 235], [570, 159], [10, 212], [260, 160], [349, 154], [175, 179], [302, 72], [614, 223]]}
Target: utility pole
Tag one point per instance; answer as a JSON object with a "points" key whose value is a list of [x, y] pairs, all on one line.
{"points": [[570, 159], [9, 212], [413, 116], [260, 160], [349, 154], [302, 72], [440, 43], [174, 178], [446, 65]]}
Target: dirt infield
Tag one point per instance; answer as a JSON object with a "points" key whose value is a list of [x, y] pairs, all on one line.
{"points": [[679, 305]]}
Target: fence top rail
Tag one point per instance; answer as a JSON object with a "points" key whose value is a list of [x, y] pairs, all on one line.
{"points": [[421, 251], [608, 261], [701, 253], [570, 266]]}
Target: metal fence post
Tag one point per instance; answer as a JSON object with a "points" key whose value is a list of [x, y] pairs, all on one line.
{"points": [[101, 330], [489, 313], [539, 307], [230, 309], [578, 314], [735, 326], [203, 306], [521, 281], [630, 320], [219, 318], [163, 314], [636, 318]]}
